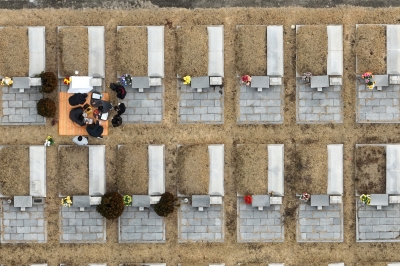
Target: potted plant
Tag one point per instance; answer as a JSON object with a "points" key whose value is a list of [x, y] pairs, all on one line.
{"points": [[305, 196], [248, 199], [246, 79], [368, 78], [366, 199]]}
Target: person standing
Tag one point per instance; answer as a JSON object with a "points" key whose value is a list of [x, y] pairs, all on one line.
{"points": [[80, 140]]}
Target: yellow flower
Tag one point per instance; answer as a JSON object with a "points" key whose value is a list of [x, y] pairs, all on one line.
{"points": [[186, 80]]}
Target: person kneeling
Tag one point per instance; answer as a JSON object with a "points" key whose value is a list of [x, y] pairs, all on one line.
{"points": [[95, 130]]}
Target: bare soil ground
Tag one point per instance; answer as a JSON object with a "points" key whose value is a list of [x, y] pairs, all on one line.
{"points": [[312, 49], [133, 170], [132, 51], [370, 170], [251, 50], [74, 50], [171, 133], [251, 169], [371, 49], [14, 170], [14, 52]]}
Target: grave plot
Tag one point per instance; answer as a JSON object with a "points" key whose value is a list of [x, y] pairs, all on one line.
{"points": [[259, 178], [319, 70]]}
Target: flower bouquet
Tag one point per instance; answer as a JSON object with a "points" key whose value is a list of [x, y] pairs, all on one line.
{"points": [[125, 79], [365, 198], [67, 80], [127, 200], [66, 202], [49, 141], [307, 78], [305, 197], [248, 199], [246, 79], [6, 81], [368, 78], [186, 80]]}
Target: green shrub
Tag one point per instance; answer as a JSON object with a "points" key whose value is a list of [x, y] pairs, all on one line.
{"points": [[49, 81], [46, 107], [166, 204], [111, 206]]}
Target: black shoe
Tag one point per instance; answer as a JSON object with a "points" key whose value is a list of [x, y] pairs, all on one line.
{"points": [[101, 137]]}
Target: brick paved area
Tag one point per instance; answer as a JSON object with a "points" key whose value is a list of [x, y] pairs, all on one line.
{"points": [[314, 106], [261, 106], [259, 226], [141, 226], [143, 107], [206, 226], [377, 225], [324, 225], [19, 108], [86, 226], [375, 106], [201, 107], [29, 226]]}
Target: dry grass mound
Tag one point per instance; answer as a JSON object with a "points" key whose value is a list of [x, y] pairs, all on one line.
{"points": [[193, 170], [312, 49], [251, 50], [192, 51], [14, 170], [133, 170], [252, 169], [14, 52], [312, 168], [371, 49], [74, 50], [73, 170], [371, 170], [132, 51]]}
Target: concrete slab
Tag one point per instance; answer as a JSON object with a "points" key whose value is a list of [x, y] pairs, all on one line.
{"points": [[393, 49], [37, 171], [275, 51], [335, 50], [96, 51], [216, 51], [276, 169], [392, 169], [155, 50], [97, 170], [37, 50], [156, 170], [216, 153], [335, 169]]}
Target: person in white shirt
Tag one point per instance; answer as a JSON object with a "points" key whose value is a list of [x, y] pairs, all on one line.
{"points": [[80, 140]]}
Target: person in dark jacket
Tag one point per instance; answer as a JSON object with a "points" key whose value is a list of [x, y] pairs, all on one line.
{"points": [[119, 89], [95, 130], [116, 121], [120, 108], [77, 99]]}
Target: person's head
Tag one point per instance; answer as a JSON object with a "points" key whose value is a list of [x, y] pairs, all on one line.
{"points": [[116, 108], [80, 138], [91, 126], [80, 117], [113, 86]]}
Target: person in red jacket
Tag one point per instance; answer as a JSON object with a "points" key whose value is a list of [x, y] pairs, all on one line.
{"points": [[119, 89]]}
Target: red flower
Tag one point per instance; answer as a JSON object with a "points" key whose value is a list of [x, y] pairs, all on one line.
{"points": [[248, 199]]}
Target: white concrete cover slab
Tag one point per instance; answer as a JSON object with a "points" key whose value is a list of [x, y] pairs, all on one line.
{"points": [[37, 50], [393, 169], [37, 171], [335, 50], [97, 170], [275, 51], [156, 170], [276, 264], [393, 49], [394, 264], [335, 169], [155, 51], [216, 153], [215, 51], [80, 84], [276, 169], [96, 51], [336, 264]]}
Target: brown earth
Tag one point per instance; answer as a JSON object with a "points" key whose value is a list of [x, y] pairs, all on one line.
{"points": [[371, 49], [14, 52], [370, 170], [74, 50], [14, 170], [230, 133]]}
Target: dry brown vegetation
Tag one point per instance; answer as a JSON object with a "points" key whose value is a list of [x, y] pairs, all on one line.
{"points": [[73, 170], [252, 169], [193, 170], [312, 168], [251, 50], [312, 49], [132, 51], [14, 52], [133, 173], [371, 49], [370, 170], [192, 51], [14, 170], [74, 50]]}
